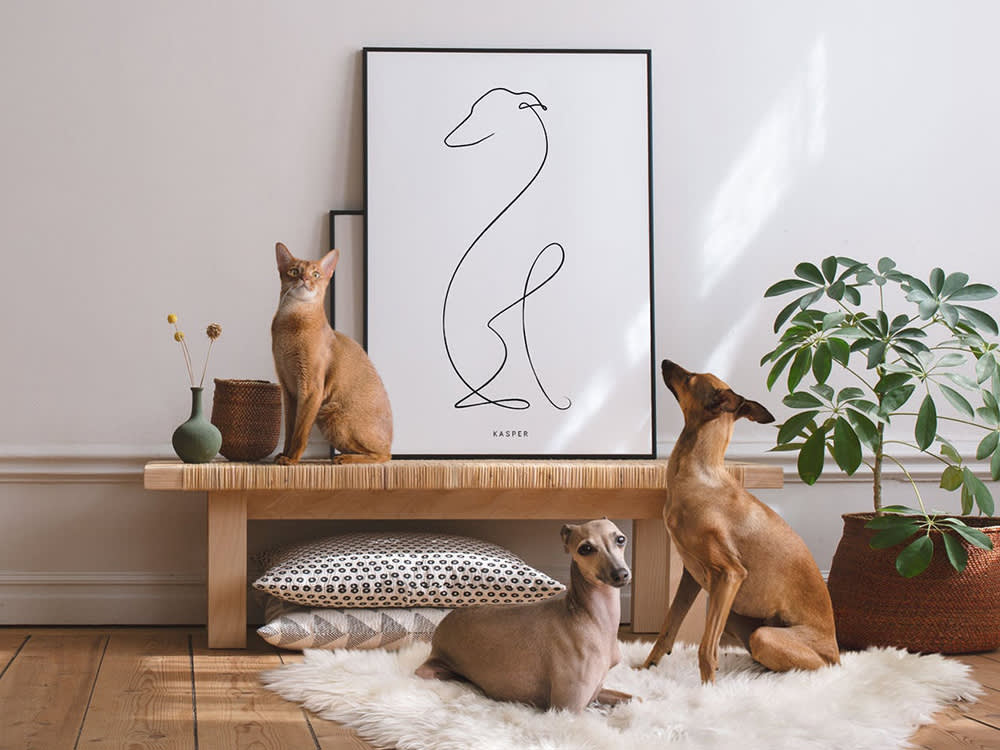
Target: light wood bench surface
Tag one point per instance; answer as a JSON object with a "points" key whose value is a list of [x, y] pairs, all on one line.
{"points": [[552, 489]]}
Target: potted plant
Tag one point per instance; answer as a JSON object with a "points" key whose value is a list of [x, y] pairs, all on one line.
{"points": [[914, 358]]}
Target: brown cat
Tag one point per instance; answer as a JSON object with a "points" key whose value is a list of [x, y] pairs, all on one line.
{"points": [[325, 376]]}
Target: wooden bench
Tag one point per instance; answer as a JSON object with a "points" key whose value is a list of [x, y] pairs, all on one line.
{"points": [[539, 489]]}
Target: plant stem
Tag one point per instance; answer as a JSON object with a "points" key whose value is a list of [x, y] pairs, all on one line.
{"points": [[204, 369], [877, 468], [916, 490], [911, 445], [949, 419]]}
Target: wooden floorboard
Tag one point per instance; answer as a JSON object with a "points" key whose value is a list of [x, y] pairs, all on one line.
{"points": [[45, 692], [143, 697], [235, 712], [164, 689]]}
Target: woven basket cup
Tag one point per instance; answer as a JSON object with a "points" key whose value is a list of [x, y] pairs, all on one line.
{"points": [[940, 610], [248, 414]]}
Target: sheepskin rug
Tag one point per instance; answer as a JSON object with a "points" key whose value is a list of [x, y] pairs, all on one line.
{"points": [[875, 699]]}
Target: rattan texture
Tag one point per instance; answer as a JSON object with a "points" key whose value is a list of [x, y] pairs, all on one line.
{"points": [[940, 610], [248, 414]]}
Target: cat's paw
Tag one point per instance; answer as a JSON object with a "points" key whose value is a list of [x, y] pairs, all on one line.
{"points": [[283, 460]]}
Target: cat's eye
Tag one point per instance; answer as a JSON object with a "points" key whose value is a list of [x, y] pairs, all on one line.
{"points": [[293, 272], [315, 274]]}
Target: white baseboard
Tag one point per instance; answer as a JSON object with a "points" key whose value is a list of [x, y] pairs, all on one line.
{"points": [[101, 598]]}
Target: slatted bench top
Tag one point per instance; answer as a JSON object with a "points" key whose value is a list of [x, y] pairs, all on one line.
{"points": [[541, 474]]}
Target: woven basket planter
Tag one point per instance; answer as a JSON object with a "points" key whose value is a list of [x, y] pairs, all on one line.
{"points": [[248, 414], [940, 610]]}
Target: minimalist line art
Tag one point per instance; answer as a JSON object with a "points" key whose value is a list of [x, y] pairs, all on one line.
{"points": [[488, 113]]}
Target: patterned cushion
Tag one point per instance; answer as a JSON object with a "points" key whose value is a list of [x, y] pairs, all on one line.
{"points": [[295, 628], [402, 569]]}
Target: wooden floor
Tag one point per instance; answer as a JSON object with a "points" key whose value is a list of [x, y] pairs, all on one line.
{"points": [[140, 688]]}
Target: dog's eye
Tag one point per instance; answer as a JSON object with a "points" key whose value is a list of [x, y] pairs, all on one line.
{"points": [[621, 540], [585, 549]]}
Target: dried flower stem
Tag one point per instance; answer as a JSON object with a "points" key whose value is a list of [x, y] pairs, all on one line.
{"points": [[204, 369]]}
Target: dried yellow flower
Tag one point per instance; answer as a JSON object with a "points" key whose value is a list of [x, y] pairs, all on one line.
{"points": [[179, 336], [171, 318], [214, 330]]}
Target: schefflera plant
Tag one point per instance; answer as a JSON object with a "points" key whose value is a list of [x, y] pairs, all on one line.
{"points": [[840, 319]]}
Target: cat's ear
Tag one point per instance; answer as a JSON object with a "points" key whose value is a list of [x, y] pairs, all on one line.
{"points": [[284, 258], [329, 262]]}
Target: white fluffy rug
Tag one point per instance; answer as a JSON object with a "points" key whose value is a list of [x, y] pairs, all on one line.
{"points": [[875, 699]]}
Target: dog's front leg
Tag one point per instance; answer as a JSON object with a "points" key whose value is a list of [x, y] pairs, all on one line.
{"points": [[724, 582], [687, 591]]}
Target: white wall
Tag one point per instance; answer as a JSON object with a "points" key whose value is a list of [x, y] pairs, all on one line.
{"points": [[153, 152]]}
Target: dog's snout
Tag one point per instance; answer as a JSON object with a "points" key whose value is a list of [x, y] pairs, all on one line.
{"points": [[620, 576]]}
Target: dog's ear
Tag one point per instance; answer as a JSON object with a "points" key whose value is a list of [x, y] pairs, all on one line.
{"points": [[754, 412], [729, 401], [565, 533]]}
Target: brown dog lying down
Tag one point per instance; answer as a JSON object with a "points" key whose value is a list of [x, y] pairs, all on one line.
{"points": [[763, 585], [553, 653]]}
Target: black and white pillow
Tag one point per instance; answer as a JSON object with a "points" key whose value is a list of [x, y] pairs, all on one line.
{"points": [[295, 628], [400, 569]]}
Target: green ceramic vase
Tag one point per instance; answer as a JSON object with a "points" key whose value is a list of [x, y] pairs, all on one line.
{"points": [[197, 441]]}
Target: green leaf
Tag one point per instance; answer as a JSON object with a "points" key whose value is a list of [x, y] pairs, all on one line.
{"points": [[937, 281], [947, 449], [822, 362], [864, 428], [836, 290], [788, 285], [951, 478], [926, 427], [801, 400], [896, 398], [850, 394], [902, 509], [973, 536], [892, 381], [800, 366], [950, 314], [833, 319], [811, 298], [779, 366], [978, 319], [846, 447], [840, 350], [786, 313], [968, 500], [974, 292], [957, 400], [995, 466], [876, 355], [853, 295], [984, 499], [794, 425], [987, 445], [809, 272], [823, 391], [992, 407], [830, 268], [953, 283], [885, 264], [957, 555], [985, 366], [915, 557], [810, 463], [927, 308], [897, 531]]}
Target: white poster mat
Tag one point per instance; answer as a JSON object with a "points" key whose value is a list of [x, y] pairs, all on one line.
{"points": [[508, 247]]}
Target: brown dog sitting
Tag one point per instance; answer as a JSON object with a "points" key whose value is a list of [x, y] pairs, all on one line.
{"points": [[763, 586]]}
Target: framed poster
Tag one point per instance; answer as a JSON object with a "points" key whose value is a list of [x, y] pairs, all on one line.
{"points": [[508, 248]]}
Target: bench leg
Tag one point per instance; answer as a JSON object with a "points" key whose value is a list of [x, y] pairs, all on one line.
{"points": [[227, 570], [650, 574]]}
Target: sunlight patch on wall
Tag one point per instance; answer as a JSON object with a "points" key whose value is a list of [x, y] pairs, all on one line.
{"points": [[791, 136]]}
